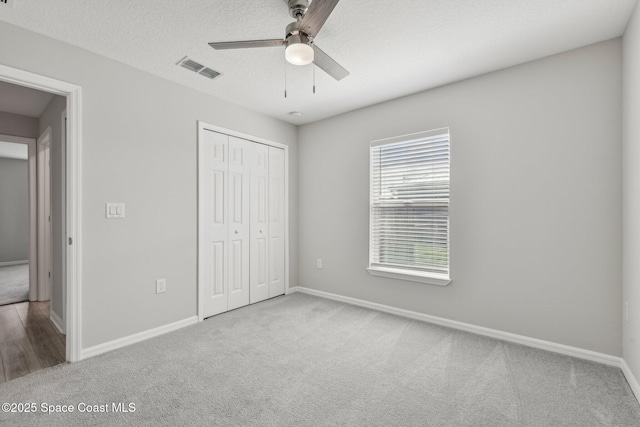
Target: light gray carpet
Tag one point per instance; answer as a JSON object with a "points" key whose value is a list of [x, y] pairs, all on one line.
{"points": [[306, 361], [14, 283]]}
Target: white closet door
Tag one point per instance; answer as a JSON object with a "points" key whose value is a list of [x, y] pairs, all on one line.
{"points": [[276, 221], [239, 180], [213, 230], [259, 223]]}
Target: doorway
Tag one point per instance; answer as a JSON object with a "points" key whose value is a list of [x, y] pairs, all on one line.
{"points": [[65, 245], [17, 207], [31, 333]]}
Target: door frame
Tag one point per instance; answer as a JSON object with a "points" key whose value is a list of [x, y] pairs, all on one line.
{"points": [[32, 209], [73, 167], [204, 127], [62, 323], [44, 215]]}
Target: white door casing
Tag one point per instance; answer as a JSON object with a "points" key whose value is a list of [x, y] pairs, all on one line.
{"points": [[63, 248], [238, 224], [44, 215], [259, 230], [276, 222]]}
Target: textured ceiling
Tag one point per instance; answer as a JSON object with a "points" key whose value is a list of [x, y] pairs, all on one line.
{"points": [[22, 100], [391, 48]]}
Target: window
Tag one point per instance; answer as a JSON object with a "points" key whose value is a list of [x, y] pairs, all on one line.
{"points": [[409, 207]]}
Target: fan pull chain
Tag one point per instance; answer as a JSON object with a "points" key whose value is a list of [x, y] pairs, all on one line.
{"points": [[285, 78], [314, 78]]}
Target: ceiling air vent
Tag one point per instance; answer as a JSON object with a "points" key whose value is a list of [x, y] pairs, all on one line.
{"points": [[196, 67], [208, 72], [6, 3]]}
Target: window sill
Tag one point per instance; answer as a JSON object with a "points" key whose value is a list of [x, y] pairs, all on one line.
{"points": [[413, 276]]}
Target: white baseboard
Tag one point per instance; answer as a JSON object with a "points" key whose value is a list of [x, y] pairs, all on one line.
{"points": [[57, 321], [140, 336], [4, 264], [487, 332], [631, 379]]}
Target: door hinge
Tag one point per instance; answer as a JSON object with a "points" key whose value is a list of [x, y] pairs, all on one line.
{"points": [[70, 241], [49, 275]]}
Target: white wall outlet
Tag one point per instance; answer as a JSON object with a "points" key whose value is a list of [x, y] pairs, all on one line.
{"points": [[319, 263], [115, 210], [625, 311], [161, 286]]}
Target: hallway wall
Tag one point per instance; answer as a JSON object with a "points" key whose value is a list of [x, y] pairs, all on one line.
{"points": [[14, 210]]}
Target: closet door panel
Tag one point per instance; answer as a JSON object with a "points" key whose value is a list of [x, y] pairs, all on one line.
{"points": [[213, 220], [259, 223], [276, 216], [238, 282]]}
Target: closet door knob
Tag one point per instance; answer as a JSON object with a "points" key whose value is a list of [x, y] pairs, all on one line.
{"points": [[236, 231]]}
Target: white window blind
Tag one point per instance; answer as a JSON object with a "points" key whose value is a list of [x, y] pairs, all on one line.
{"points": [[409, 212]]}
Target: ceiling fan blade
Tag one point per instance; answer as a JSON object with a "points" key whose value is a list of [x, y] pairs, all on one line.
{"points": [[247, 44], [328, 65], [316, 16]]}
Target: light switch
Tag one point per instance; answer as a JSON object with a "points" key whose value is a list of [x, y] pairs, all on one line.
{"points": [[115, 210]]}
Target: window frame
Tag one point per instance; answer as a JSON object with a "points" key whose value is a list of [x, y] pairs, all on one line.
{"points": [[408, 274]]}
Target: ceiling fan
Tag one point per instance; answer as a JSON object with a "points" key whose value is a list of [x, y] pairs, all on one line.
{"points": [[299, 38]]}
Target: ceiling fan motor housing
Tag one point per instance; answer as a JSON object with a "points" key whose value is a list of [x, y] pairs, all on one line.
{"points": [[298, 38], [294, 35]]}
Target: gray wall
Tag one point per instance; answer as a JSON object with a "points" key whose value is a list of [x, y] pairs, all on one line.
{"points": [[631, 193], [17, 125], [52, 116], [14, 217], [535, 208], [140, 148], [14, 210]]}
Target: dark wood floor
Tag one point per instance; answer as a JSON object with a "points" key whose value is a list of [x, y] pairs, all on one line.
{"points": [[29, 341]]}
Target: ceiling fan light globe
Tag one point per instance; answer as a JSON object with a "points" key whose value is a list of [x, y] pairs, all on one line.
{"points": [[299, 54]]}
